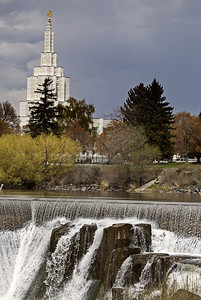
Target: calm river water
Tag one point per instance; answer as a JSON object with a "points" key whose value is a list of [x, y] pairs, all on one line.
{"points": [[102, 195]]}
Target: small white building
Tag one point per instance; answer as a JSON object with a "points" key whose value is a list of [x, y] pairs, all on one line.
{"points": [[48, 68]]}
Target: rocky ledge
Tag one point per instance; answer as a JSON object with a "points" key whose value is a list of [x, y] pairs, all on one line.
{"points": [[122, 262]]}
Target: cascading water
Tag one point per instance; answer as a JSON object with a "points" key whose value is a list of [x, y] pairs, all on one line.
{"points": [[22, 252], [26, 226]]}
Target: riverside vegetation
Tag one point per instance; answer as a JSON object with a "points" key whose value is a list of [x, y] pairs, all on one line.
{"points": [[144, 130], [183, 178], [47, 162]]}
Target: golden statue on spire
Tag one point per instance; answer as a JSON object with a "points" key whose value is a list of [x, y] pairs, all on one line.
{"points": [[50, 15]]}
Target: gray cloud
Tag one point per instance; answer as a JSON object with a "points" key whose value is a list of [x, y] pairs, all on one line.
{"points": [[106, 47]]}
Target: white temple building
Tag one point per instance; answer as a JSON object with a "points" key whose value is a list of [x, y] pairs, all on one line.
{"points": [[48, 68]]}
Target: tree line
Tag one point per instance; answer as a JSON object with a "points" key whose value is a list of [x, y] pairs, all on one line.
{"points": [[144, 129]]}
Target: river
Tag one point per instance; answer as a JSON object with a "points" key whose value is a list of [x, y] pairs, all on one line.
{"points": [[28, 217]]}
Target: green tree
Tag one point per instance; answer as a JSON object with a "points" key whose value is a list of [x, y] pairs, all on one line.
{"points": [[29, 161], [77, 112], [8, 115], [43, 113], [146, 107]]}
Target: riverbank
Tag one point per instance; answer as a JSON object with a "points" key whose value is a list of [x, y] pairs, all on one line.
{"points": [[183, 178]]}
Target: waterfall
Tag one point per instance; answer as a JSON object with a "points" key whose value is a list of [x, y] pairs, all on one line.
{"points": [[22, 252], [182, 218], [185, 276], [166, 241], [26, 227]]}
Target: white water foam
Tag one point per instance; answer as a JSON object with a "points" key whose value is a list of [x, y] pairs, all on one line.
{"points": [[21, 255], [185, 277], [23, 251], [168, 242]]}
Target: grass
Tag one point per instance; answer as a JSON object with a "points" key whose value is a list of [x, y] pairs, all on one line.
{"points": [[177, 165], [173, 165]]}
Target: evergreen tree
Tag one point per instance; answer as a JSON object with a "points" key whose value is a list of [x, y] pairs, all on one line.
{"points": [[43, 113], [146, 107]]}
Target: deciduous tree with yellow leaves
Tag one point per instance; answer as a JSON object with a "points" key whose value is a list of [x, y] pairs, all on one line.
{"points": [[29, 161]]}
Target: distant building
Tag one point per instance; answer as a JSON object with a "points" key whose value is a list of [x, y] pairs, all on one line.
{"points": [[100, 124], [61, 84], [48, 68]]}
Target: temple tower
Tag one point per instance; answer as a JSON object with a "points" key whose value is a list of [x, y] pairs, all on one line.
{"points": [[48, 68]]}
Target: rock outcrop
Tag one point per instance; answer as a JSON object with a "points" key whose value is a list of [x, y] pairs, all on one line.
{"points": [[114, 237], [123, 259], [57, 233]]}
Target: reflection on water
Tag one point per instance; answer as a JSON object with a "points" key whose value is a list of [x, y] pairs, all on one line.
{"points": [[102, 195]]}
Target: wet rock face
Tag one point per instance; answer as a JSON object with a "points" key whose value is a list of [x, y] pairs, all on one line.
{"points": [[57, 233], [115, 247], [146, 231], [85, 238], [117, 294], [115, 236], [114, 262], [80, 243], [122, 259], [149, 268]]}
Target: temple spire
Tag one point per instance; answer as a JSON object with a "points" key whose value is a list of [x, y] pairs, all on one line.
{"points": [[47, 69], [49, 39]]}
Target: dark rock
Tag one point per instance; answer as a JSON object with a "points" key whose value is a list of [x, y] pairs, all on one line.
{"points": [[117, 294], [92, 292], [146, 229], [57, 234], [120, 294], [185, 295], [114, 262], [115, 236], [79, 245], [149, 268], [86, 238]]}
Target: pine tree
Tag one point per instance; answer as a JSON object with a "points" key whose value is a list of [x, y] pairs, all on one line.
{"points": [[43, 113], [146, 107]]}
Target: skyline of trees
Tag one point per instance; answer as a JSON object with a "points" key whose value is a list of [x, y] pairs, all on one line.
{"points": [[145, 107]]}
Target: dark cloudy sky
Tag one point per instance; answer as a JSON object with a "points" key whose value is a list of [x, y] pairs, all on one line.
{"points": [[106, 47]]}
